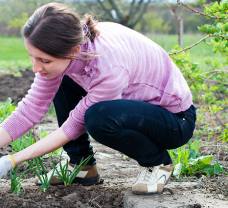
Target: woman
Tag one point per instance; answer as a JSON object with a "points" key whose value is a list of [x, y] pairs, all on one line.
{"points": [[106, 80]]}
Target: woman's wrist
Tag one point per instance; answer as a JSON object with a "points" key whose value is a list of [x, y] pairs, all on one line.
{"points": [[13, 160], [50, 143]]}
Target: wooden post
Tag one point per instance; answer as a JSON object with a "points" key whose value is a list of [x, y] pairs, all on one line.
{"points": [[180, 31], [179, 24]]}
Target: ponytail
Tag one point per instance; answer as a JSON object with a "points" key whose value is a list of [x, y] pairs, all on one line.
{"points": [[90, 27]]}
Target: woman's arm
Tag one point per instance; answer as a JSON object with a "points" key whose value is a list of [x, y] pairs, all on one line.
{"points": [[4, 137], [48, 144], [32, 108]]}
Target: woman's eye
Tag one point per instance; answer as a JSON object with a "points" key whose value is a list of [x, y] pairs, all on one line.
{"points": [[45, 61]]}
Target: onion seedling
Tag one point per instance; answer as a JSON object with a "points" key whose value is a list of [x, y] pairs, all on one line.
{"points": [[67, 174], [41, 173], [15, 182]]}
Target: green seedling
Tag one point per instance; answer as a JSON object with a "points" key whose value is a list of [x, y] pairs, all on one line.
{"points": [[6, 108], [15, 182], [42, 173], [68, 175], [25, 141], [56, 153]]}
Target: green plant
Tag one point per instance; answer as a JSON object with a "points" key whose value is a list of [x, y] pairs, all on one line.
{"points": [[19, 21], [218, 28], [55, 153], [188, 161], [6, 108], [25, 141], [204, 165], [68, 176], [224, 135], [209, 85], [15, 182], [41, 172]]}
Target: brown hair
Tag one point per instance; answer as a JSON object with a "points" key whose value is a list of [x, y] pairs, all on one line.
{"points": [[55, 29]]}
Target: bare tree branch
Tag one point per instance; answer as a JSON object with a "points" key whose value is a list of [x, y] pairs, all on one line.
{"points": [[106, 10], [197, 11], [134, 15], [191, 46], [136, 8], [117, 10], [131, 8], [141, 13]]}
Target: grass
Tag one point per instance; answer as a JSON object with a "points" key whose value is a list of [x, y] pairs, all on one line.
{"points": [[12, 45], [14, 56]]}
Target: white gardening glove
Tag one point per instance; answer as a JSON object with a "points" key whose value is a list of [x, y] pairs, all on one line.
{"points": [[7, 163]]}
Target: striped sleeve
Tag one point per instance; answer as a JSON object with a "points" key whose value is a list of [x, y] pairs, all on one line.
{"points": [[108, 85], [32, 107]]}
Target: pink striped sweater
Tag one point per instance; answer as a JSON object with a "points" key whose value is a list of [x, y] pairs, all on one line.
{"points": [[128, 66]]}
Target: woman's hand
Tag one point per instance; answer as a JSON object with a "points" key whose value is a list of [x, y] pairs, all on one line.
{"points": [[48, 144], [7, 163]]}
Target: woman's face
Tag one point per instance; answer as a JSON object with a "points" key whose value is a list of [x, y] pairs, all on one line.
{"points": [[44, 64]]}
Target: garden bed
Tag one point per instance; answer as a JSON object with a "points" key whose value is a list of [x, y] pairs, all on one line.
{"points": [[61, 196], [117, 170], [15, 87]]}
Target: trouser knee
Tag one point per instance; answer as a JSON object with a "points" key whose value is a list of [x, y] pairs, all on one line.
{"points": [[96, 121]]}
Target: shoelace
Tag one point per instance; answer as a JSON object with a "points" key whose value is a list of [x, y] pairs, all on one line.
{"points": [[148, 174]]}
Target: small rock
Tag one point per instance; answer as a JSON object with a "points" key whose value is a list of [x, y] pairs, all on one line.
{"points": [[49, 197], [220, 196], [71, 197]]}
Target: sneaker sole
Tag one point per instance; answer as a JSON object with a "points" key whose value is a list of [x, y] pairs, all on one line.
{"points": [[160, 188], [89, 181], [82, 181]]}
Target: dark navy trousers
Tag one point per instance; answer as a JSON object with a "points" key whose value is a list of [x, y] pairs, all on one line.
{"points": [[138, 129]]}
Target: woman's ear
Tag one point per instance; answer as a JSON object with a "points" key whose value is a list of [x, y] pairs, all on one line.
{"points": [[75, 50]]}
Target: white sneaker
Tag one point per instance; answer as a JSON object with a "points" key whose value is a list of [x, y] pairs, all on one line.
{"points": [[152, 180]]}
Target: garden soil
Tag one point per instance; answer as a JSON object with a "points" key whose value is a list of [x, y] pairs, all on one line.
{"points": [[15, 87], [117, 170]]}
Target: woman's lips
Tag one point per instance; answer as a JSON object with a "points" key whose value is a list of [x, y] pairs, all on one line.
{"points": [[43, 74]]}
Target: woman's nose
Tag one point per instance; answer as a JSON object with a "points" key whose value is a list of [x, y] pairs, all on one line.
{"points": [[36, 67]]}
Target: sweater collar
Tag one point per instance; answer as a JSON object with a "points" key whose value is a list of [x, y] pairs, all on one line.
{"points": [[79, 64]]}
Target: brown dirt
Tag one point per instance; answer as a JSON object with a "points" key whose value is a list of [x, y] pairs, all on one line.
{"points": [[15, 87], [60, 196], [117, 170]]}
